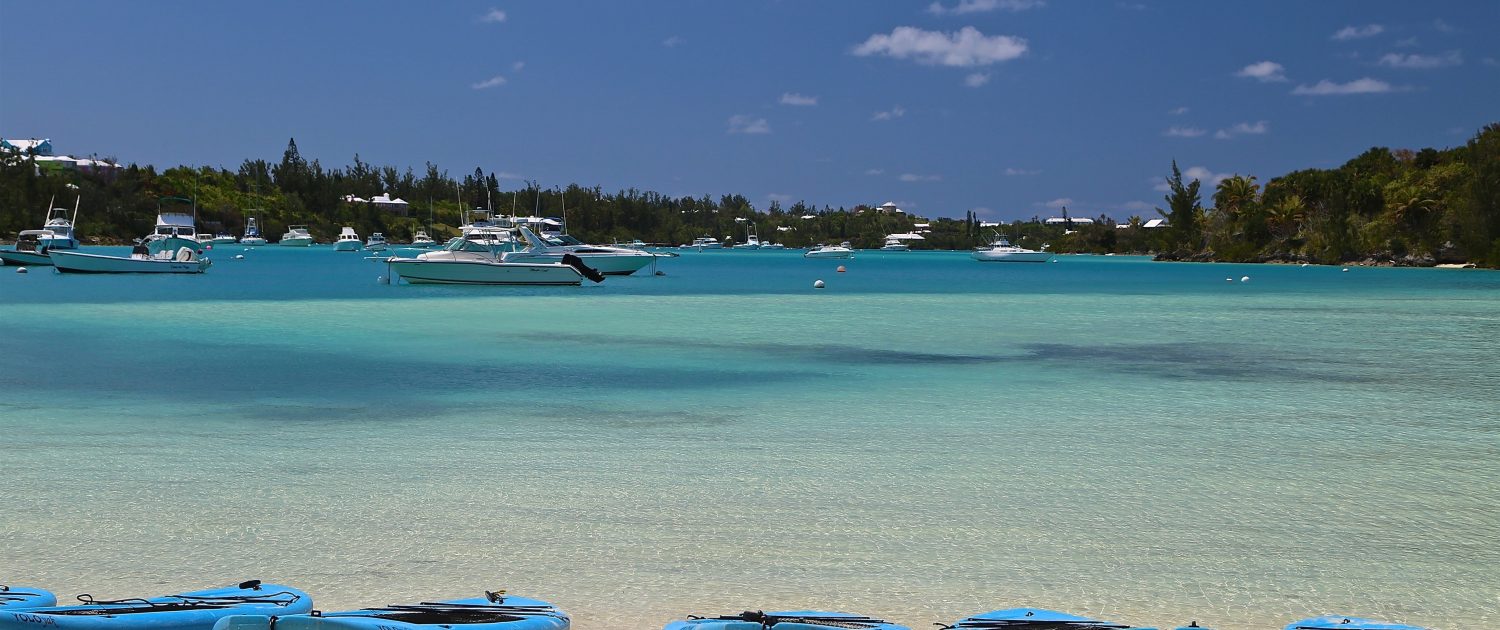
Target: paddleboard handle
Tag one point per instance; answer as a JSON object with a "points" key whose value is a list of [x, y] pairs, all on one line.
{"points": [[250, 585], [495, 597]]}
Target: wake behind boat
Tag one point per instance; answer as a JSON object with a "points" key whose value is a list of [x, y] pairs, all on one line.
{"points": [[185, 260], [494, 611], [197, 610], [787, 620], [19, 597]]}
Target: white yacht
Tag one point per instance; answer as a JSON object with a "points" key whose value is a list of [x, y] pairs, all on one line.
{"points": [[174, 230], [184, 260], [59, 229], [841, 250], [296, 236], [1000, 250], [464, 261], [224, 238], [610, 261], [773, 246], [493, 231], [752, 241], [252, 237], [348, 241], [895, 245], [376, 242], [421, 239], [704, 242]]}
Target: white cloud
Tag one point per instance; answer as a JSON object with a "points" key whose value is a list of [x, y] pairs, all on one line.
{"points": [[913, 177], [1256, 128], [894, 113], [740, 123], [1059, 202], [1183, 132], [1133, 6], [517, 66], [1492, 62], [1406, 43], [495, 81], [508, 175], [1179, 111], [977, 79], [1263, 71], [793, 98], [966, 48], [875, 171], [1202, 174], [1357, 86], [779, 198], [1357, 32], [493, 16], [1021, 172], [673, 41], [984, 6], [1442, 26], [1422, 62]]}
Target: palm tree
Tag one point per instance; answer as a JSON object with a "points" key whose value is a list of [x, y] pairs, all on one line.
{"points": [[1286, 216]]}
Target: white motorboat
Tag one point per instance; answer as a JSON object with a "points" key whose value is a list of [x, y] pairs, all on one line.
{"points": [[492, 231], [421, 239], [895, 245], [830, 251], [296, 236], [184, 260], [252, 237], [224, 238], [470, 262], [27, 251], [752, 241], [376, 242], [773, 246], [1000, 250], [610, 261], [704, 242], [173, 231], [59, 229], [348, 241]]}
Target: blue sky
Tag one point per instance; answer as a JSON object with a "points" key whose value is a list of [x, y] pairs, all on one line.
{"points": [[1007, 107]]}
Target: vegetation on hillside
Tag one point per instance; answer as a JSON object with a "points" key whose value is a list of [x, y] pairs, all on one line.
{"points": [[1414, 207]]}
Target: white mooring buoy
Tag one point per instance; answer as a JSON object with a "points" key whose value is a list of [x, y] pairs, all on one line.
{"points": [[1244, 278], [817, 284], [23, 270]]}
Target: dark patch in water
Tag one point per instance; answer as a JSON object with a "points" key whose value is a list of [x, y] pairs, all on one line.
{"points": [[825, 353], [1191, 361]]}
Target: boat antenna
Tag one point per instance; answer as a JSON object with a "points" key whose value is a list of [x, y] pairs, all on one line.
{"points": [[488, 203], [76, 202], [47, 216], [564, 196]]}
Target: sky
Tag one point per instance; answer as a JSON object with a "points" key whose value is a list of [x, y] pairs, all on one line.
{"points": [[1009, 108]]}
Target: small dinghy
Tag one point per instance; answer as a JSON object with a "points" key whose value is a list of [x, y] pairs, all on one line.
{"points": [[1035, 619], [1336, 622], [198, 610], [18, 597], [496, 611], [787, 620]]}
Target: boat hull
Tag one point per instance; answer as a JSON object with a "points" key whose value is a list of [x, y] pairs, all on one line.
{"points": [[197, 610], [483, 272], [58, 243], [24, 258], [513, 613], [1032, 257], [607, 264], [296, 241], [77, 262], [1337, 622], [347, 246], [22, 597], [790, 620], [252, 241], [829, 254]]}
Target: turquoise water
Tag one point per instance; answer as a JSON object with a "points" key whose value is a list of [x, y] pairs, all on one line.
{"points": [[927, 438]]}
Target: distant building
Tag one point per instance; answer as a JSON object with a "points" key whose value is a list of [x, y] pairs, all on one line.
{"points": [[1065, 221], [890, 207], [1156, 223], [383, 201], [34, 146]]}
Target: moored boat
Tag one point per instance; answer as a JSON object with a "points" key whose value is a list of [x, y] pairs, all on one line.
{"points": [[197, 610], [1338, 622], [376, 242], [1000, 250], [494, 611], [59, 228], [1034, 619], [348, 241], [704, 242], [174, 230], [421, 239], [27, 250], [252, 237], [610, 261], [467, 262], [19, 597], [895, 245], [830, 251], [185, 260], [296, 236], [786, 620]]}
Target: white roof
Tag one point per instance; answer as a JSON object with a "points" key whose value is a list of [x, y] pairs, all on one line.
{"points": [[347, 231], [784, 228], [888, 204], [387, 198], [908, 236], [989, 224], [173, 218], [1155, 223], [809, 216], [921, 225], [1061, 220], [353, 199]]}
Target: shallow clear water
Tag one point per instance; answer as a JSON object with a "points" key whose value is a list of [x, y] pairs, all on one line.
{"points": [[927, 438]]}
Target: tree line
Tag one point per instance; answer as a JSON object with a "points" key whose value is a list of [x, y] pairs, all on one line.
{"points": [[1414, 207]]}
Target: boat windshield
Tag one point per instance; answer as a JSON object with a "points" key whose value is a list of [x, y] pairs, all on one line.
{"points": [[465, 245]]}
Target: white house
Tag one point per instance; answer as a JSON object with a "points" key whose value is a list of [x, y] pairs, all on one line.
{"points": [[1063, 221]]}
